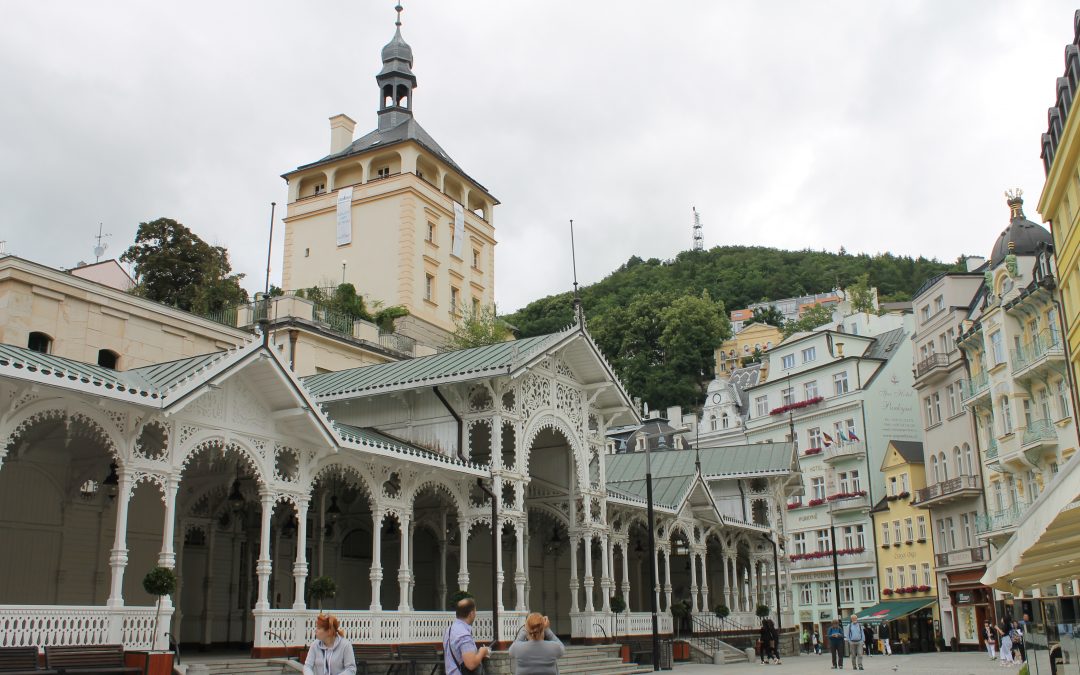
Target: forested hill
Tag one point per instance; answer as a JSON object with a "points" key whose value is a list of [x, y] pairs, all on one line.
{"points": [[631, 309]]}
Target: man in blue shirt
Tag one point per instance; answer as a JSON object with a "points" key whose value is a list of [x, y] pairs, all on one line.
{"points": [[459, 646], [854, 635]]}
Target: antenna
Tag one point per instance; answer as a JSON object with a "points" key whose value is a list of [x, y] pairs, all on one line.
{"points": [[699, 240], [578, 315], [99, 250]]}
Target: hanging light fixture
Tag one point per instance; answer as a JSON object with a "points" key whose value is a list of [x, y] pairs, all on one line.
{"points": [[112, 482], [333, 512], [236, 499]]}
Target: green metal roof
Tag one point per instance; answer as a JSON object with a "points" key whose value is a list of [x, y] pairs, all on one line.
{"points": [[27, 360], [165, 375], [429, 370], [736, 460], [667, 492]]}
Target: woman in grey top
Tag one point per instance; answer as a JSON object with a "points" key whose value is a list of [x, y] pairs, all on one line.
{"points": [[536, 650]]}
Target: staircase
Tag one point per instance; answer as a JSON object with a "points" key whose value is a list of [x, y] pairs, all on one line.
{"points": [[241, 667], [578, 660], [703, 650]]}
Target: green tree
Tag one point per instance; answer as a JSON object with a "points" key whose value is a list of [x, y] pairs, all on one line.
{"points": [[813, 317], [861, 295], [769, 315], [174, 266], [478, 328]]}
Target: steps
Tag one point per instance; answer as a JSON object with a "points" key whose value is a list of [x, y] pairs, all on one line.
{"points": [[704, 650], [578, 660], [240, 667]]}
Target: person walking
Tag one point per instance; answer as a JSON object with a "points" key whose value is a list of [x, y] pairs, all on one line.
{"points": [[883, 635], [330, 653], [804, 640], [1017, 635], [854, 635], [537, 650], [774, 643], [1005, 641], [868, 635], [835, 636], [990, 639], [816, 640], [461, 655]]}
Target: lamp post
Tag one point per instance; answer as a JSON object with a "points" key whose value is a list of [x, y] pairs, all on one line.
{"points": [[652, 560], [343, 263]]}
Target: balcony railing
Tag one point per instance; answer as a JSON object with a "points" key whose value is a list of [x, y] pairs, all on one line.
{"points": [[849, 450], [847, 504], [988, 523], [1041, 345], [931, 362], [976, 385], [991, 449], [965, 556], [947, 488], [1039, 431], [861, 558]]}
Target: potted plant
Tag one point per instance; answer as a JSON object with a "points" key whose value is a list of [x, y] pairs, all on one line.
{"points": [[159, 582], [322, 588], [762, 611], [721, 611], [457, 597]]}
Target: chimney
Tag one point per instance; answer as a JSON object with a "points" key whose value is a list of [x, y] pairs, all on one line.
{"points": [[974, 262], [341, 133]]}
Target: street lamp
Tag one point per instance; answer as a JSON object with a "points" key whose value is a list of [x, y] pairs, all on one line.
{"points": [[652, 560], [343, 264]]}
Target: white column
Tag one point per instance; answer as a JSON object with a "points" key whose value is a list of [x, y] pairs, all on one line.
{"points": [[656, 578], [412, 564], [208, 585], [322, 531], [625, 548], [574, 590], [300, 566], [589, 590], [497, 563], [705, 581], [118, 557], [463, 556], [167, 557], [404, 573], [726, 560], [264, 566], [605, 572], [693, 582], [375, 575], [519, 564], [442, 562], [667, 576]]}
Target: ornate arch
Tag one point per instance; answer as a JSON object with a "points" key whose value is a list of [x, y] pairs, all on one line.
{"points": [[105, 427], [438, 486], [333, 463], [557, 422], [208, 440]]}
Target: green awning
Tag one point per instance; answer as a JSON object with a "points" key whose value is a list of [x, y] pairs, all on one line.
{"points": [[893, 610]]}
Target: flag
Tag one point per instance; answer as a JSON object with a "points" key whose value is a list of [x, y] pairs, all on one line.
{"points": [[840, 435], [827, 438], [851, 435]]}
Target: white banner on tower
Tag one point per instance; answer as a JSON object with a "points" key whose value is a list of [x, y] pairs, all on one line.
{"points": [[344, 216], [459, 228]]}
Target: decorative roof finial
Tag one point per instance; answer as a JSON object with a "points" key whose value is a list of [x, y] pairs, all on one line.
{"points": [[398, 8], [1014, 198]]}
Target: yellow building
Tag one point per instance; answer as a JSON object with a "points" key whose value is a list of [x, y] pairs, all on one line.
{"points": [[393, 214], [754, 337], [1059, 204], [905, 554]]}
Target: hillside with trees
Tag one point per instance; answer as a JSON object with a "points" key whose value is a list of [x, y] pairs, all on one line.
{"points": [[659, 321]]}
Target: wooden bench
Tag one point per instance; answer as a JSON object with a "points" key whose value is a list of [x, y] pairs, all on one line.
{"points": [[640, 650], [21, 661], [382, 657], [88, 660], [421, 656]]}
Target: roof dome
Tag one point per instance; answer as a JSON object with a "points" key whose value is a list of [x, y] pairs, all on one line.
{"points": [[397, 49], [1024, 235]]}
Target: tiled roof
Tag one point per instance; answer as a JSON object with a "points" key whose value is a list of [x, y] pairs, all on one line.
{"points": [[458, 365], [885, 345], [911, 451]]}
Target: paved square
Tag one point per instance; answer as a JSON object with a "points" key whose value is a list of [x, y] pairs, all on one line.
{"points": [[965, 663]]}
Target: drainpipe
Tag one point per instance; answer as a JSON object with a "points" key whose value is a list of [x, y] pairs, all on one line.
{"points": [[742, 500], [294, 335], [457, 418]]}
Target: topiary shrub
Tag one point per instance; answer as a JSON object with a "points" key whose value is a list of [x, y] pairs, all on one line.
{"points": [[721, 611], [159, 582], [762, 611], [322, 588], [618, 605], [457, 597]]}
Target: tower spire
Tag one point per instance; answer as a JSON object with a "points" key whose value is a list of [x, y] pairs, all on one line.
{"points": [[398, 8], [579, 314], [396, 79]]}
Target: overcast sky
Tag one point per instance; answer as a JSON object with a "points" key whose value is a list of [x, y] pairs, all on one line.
{"points": [[877, 126]]}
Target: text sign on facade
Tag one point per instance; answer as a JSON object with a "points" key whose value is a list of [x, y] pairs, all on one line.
{"points": [[344, 216], [459, 228]]}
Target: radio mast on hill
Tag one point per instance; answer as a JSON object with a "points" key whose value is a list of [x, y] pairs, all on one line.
{"points": [[699, 240]]}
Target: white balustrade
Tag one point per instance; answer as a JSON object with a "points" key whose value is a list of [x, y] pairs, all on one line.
{"points": [[40, 625], [286, 627]]}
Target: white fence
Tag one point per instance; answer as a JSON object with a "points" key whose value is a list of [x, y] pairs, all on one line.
{"points": [[276, 628], [41, 625]]}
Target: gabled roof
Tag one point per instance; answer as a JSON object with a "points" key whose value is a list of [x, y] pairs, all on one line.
{"points": [[368, 437], [759, 459], [911, 451], [885, 344]]}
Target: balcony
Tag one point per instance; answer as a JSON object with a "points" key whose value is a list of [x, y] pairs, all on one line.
{"points": [[976, 387], [1038, 354], [1040, 434], [825, 562], [991, 452], [967, 556], [945, 492], [999, 523], [849, 450], [931, 366], [846, 505]]}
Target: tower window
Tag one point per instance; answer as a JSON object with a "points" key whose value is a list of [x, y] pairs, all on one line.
{"points": [[307, 252], [107, 358], [39, 342], [383, 172], [320, 188], [476, 259], [453, 300], [429, 287], [431, 232]]}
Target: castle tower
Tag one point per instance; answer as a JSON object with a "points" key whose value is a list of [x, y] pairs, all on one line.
{"points": [[393, 214]]}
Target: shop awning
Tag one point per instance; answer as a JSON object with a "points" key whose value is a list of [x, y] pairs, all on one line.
{"points": [[1044, 548], [892, 610]]}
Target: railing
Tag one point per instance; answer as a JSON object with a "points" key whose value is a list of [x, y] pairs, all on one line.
{"points": [[947, 487], [845, 451], [640, 623], [992, 449], [1039, 430], [39, 625], [398, 342], [986, 523], [965, 556], [1039, 346], [863, 558], [976, 385], [931, 362], [849, 504]]}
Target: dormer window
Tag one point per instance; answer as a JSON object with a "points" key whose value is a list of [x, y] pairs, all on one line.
{"points": [[39, 342]]}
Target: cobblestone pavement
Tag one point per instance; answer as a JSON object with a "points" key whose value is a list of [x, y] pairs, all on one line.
{"points": [[964, 663]]}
